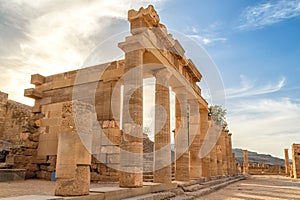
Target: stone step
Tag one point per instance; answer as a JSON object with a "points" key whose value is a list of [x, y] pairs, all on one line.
{"points": [[193, 188], [189, 183], [216, 181], [183, 197], [153, 196], [213, 187]]}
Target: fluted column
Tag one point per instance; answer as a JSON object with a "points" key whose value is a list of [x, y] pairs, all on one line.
{"points": [[195, 132], [162, 155], [205, 159], [230, 154], [234, 164], [224, 152], [227, 153], [182, 155], [219, 156], [131, 144], [213, 162]]}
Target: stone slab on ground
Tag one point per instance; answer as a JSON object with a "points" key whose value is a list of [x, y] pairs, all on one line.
{"points": [[33, 197], [116, 193], [152, 196], [12, 174]]}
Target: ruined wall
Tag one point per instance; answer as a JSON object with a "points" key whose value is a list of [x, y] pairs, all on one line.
{"points": [[14, 118], [52, 92], [18, 128], [263, 169]]}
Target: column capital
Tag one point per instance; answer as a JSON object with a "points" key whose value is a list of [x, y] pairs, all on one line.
{"points": [[162, 74], [180, 90], [162, 77]]}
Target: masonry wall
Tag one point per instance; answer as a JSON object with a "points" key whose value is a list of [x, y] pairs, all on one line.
{"points": [[18, 128], [52, 92], [14, 118]]}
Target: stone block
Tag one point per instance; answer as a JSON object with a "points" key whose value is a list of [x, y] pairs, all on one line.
{"points": [[65, 171], [77, 186], [127, 179], [47, 144], [12, 174], [37, 79]]}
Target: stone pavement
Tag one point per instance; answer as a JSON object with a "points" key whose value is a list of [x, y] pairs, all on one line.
{"points": [[259, 187], [43, 190]]}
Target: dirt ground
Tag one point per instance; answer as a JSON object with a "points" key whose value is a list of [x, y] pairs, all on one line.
{"points": [[255, 187], [259, 187]]}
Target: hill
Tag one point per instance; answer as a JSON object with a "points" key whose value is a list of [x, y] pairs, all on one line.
{"points": [[254, 157]]}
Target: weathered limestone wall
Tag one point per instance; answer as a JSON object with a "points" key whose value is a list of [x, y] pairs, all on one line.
{"points": [[296, 160], [53, 91], [18, 126], [3, 112], [14, 118]]}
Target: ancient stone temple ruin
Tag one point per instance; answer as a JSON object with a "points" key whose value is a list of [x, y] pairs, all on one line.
{"points": [[90, 121]]}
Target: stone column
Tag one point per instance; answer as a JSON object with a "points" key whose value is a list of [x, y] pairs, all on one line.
{"points": [[195, 133], [224, 152], [182, 154], [131, 145], [296, 160], [230, 154], [73, 159], [162, 154], [245, 167], [287, 162], [205, 159], [234, 170], [213, 161], [219, 156]]}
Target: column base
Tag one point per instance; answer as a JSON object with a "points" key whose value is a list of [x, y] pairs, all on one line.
{"points": [[77, 186]]}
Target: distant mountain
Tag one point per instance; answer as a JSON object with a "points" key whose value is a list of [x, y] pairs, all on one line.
{"points": [[254, 157]]}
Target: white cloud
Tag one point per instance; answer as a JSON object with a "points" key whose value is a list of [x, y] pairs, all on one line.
{"points": [[207, 40], [50, 37], [208, 36], [269, 13], [265, 125], [249, 89]]}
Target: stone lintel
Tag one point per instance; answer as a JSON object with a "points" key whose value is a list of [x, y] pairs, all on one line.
{"points": [[33, 93]]}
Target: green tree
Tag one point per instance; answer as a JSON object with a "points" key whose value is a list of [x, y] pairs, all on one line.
{"points": [[217, 114]]}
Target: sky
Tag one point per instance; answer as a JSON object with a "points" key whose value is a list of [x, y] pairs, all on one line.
{"points": [[254, 45]]}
